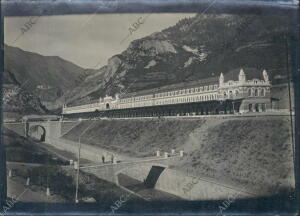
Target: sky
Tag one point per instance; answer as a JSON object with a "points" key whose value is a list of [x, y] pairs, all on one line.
{"points": [[86, 40]]}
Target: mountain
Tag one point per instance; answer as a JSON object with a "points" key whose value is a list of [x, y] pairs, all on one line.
{"points": [[42, 80], [18, 102], [195, 48]]}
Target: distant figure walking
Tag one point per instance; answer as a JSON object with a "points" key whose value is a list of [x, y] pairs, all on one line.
{"points": [[112, 158], [103, 159]]}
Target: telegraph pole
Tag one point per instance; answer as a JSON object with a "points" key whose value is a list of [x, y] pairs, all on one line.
{"points": [[78, 162], [289, 90]]}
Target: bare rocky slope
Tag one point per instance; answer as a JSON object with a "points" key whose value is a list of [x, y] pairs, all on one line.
{"points": [[254, 152]]}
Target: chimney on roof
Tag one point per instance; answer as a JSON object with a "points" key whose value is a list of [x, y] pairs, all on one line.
{"points": [[265, 75], [221, 79], [242, 76]]}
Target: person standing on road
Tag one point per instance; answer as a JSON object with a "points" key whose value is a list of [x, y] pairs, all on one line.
{"points": [[112, 158]]}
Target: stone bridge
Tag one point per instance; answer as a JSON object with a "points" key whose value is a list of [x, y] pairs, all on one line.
{"points": [[43, 130], [40, 130], [146, 170]]}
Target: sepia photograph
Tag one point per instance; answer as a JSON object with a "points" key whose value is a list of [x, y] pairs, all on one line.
{"points": [[116, 111]]}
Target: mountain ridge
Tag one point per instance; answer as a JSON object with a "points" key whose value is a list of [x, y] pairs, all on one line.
{"points": [[195, 48]]}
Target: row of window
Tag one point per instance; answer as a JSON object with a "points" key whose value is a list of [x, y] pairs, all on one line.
{"points": [[133, 99], [255, 81], [253, 92], [171, 101], [86, 106], [171, 93], [187, 91], [257, 107], [256, 92]]}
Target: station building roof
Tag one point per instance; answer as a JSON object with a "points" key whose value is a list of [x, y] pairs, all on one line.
{"points": [[174, 87], [251, 73]]}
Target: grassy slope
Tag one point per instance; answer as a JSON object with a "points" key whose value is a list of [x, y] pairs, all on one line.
{"points": [[136, 137], [256, 152], [20, 149]]}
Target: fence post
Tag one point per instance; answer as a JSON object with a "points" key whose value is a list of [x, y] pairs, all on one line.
{"points": [[75, 165], [166, 154], [114, 160], [181, 153], [157, 153], [48, 191]]}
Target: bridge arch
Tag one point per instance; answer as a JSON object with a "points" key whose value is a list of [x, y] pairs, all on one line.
{"points": [[150, 172], [37, 132]]}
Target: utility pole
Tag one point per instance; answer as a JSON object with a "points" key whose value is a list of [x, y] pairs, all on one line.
{"points": [[78, 161], [289, 90]]}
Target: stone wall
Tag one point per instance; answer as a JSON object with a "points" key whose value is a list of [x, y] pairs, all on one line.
{"points": [[18, 128], [193, 188]]}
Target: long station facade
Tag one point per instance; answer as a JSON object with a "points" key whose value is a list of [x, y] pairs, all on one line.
{"points": [[236, 92]]}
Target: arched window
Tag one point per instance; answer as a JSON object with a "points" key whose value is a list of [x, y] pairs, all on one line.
{"points": [[249, 92], [262, 92], [230, 94], [263, 107], [255, 92], [250, 107], [256, 108], [236, 92]]}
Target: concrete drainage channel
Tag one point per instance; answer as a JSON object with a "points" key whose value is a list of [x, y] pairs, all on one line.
{"points": [[181, 186], [170, 183]]}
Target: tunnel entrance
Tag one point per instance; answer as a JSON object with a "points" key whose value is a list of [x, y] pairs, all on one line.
{"points": [[38, 132], [146, 187], [153, 176], [149, 182]]}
